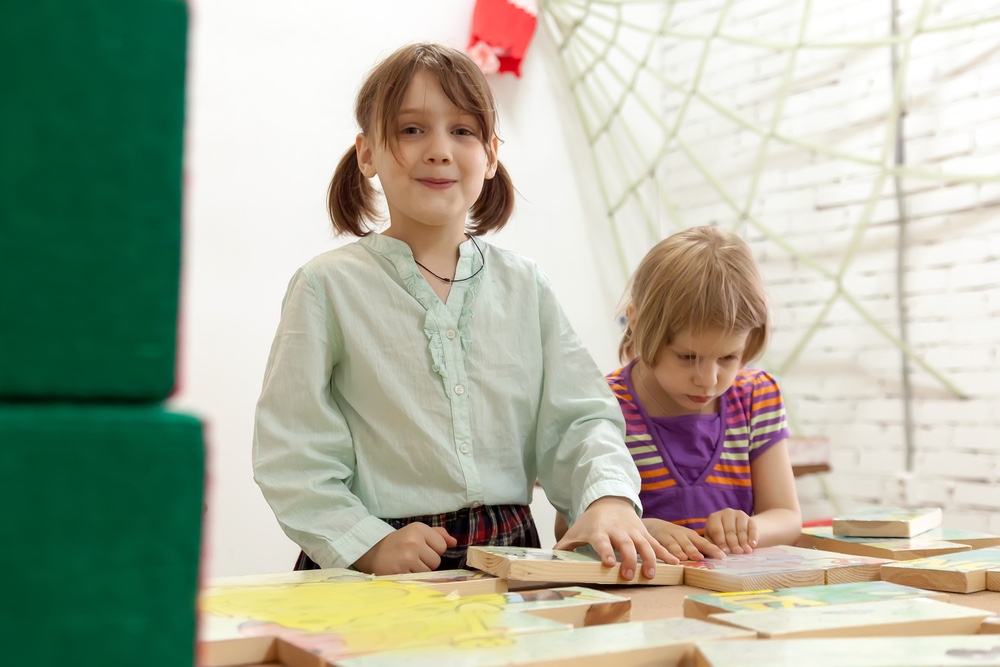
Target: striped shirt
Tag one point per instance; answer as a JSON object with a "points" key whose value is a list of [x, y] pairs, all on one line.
{"points": [[753, 418]]}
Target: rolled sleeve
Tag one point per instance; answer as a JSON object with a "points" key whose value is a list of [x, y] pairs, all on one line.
{"points": [[303, 453]]}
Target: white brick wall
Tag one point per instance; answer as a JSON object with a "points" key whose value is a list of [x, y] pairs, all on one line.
{"points": [[846, 384]]}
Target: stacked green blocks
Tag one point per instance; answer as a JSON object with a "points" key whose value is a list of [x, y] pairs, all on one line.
{"points": [[91, 130], [100, 488]]}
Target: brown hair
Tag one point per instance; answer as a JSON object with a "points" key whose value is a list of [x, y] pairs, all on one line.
{"points": [[699, 278], [351, 199]]}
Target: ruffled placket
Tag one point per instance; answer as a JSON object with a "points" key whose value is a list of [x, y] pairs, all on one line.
{"points": [[441, 321]]}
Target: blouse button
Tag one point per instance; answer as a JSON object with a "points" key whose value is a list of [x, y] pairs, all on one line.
{"points": [[459, 389], [450, 333], [464, 448]]}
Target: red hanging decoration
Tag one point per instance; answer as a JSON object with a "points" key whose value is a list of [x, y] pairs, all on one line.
{"points": [[501, 32]]}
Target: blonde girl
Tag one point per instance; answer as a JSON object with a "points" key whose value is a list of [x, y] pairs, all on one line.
{"points": [[707, 434]]}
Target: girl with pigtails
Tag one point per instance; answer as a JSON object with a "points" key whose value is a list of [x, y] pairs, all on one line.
{"points": [[422, 379]]}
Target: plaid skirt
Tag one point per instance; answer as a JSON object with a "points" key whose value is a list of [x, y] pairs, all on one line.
{"points": [[487, 525]]}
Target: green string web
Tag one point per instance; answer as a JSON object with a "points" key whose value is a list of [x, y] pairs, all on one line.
{"points": [[634, 95]]}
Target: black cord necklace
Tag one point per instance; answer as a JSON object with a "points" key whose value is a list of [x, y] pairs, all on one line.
{"points": [[459, 280]]}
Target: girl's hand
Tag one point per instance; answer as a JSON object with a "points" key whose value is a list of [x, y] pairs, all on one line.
{"points": [[415, 547], [732, 530], [682, 542], [611, 524]]}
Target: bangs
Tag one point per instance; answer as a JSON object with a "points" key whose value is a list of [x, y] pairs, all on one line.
{"points": [[460, 79]]}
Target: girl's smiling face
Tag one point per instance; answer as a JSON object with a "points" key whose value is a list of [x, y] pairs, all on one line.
{"points": [[435, 172], [692, 371]]}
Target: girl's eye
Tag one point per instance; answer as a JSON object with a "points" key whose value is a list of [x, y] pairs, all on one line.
{"points": [[686, 357], [410, 130], [465, 132]]}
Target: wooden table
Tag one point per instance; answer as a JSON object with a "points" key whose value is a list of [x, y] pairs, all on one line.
{"points": [[654, 602]]}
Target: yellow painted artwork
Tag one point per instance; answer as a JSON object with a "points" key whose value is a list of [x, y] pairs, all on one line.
{"points": [[359, 618]]}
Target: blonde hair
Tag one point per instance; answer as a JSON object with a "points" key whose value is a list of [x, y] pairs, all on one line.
{"points": [[351, 199], [700, 278]]}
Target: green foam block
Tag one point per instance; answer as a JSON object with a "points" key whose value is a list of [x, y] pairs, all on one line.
{"points": [[91, 130], [101, 534]]}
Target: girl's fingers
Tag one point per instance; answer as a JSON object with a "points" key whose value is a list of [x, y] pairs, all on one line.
{"points": [[446, 540], [677, 551], [646, 553], [733, 540], [626, 549], [708, 548], [429, 560], [752, 534]]}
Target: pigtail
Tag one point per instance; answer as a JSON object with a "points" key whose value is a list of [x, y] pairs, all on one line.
{"points": [[495, 204], [351, 199]]}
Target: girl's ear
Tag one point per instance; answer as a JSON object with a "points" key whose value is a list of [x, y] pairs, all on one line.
{"points": [[491, 169], [364, 151], [630, 315]]}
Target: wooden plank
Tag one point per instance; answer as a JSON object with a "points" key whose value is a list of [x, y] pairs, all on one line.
{"points": [[857, 652], [717, 575], [779, 567], [963, 572], [840, 568], [916, 617], [663, 643], [887, 522], [703, 606], [993, 580], [460, 582], [547, 565], [573, 605], [893, 548], [990, 626]]}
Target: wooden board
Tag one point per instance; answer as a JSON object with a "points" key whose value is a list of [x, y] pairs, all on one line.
{"points": [[915, 617], [993, 580], [893, 548], [990, 626], [703, 606], [664, 643], [963, 572], [973, 538], [547, 565], [779, 567], [462, 582], [839, 568], [887, 522], [573, 605], [966, 650]]}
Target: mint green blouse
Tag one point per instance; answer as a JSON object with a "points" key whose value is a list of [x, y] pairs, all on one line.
{"points": [[381, 401]]}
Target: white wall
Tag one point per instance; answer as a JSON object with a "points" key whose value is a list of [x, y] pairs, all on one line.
{"points": [[270, 112]]}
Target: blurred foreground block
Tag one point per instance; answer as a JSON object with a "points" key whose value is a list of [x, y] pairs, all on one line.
{"points": [[91, 129], [101, 535]]}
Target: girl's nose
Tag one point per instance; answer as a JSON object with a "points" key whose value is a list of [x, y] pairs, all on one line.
{"points": [[705, 375], [439, 149]]}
